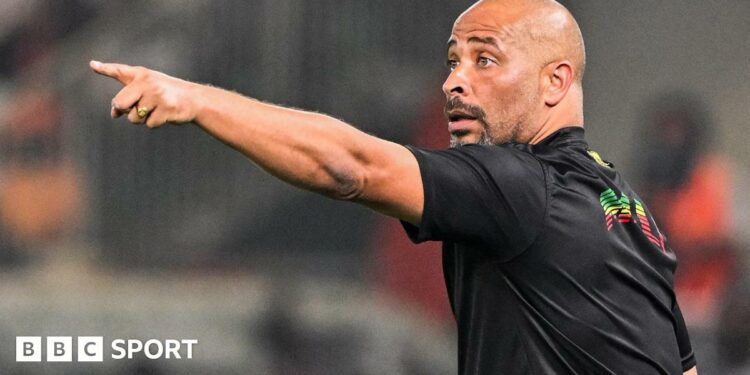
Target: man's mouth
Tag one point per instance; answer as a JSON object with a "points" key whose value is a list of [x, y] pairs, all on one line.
{"points": [[455, 116], [459, 122]]}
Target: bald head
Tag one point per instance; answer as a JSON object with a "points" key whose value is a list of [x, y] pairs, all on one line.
{"points": [[544, 29], [516, 72]]}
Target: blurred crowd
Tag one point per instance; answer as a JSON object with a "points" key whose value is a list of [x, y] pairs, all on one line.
{"points": [[176, 202], [42, 194], [697, 196]]}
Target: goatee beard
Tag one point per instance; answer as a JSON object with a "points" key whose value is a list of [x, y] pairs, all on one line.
{"points": [[484, 140], [474, 111]]}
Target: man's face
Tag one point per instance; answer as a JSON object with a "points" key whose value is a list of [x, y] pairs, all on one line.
{"points": [[492, 90]]}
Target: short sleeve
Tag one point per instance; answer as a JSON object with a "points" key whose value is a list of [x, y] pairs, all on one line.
{"points": [[495, 195], [683, 339]]}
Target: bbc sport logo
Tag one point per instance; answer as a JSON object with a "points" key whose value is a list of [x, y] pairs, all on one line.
{"points": [[91, 348]]}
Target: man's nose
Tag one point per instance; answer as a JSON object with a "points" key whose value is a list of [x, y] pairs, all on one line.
{"points": [[456, 84]]}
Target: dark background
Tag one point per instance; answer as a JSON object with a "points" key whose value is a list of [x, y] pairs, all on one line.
{"points": [[113, 230]]}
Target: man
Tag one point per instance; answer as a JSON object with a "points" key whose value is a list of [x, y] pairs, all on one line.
{"points": [[552, 262]]}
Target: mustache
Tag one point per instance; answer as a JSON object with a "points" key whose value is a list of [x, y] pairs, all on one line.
{"points": [[455, 103]]}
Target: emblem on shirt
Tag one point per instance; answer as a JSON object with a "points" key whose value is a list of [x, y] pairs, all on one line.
{"points": [[619, 210], [598, 158], [615, 209]]}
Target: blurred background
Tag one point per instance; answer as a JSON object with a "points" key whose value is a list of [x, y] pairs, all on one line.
{"points": [[108, 229]]}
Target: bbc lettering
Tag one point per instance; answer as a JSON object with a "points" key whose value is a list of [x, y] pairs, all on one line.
{"points": [[91, 349]]}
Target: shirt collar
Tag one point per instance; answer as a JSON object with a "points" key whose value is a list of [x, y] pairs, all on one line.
{"points": [[564, 136]]}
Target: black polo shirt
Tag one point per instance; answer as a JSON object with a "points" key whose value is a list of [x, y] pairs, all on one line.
{"points": [[553, 263]]}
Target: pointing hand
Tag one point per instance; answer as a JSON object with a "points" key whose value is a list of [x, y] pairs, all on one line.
{"points": [[149, 96]]}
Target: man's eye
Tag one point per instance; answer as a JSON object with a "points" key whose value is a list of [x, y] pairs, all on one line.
{"points": [[484, 61], [452, 64]]}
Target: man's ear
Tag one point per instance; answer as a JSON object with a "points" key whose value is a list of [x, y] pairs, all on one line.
{"points": [[558, 77]]}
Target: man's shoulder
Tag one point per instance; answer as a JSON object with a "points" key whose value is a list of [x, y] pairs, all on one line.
{"points": [[503, 162], [489, 154]]}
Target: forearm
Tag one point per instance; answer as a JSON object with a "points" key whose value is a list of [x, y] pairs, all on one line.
{"points": [[309, 150]]}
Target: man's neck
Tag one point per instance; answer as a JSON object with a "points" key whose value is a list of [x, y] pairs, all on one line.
{"points": [[547, 131], [567, 113]]}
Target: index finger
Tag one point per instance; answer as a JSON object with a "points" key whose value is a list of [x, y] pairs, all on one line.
{"points": [[121, 72]]}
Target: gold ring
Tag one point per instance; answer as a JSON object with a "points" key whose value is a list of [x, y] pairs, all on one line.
{"points": [[143, 112]]}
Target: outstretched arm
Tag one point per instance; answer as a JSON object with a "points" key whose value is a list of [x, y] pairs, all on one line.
{"points": [[309, 150]]}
